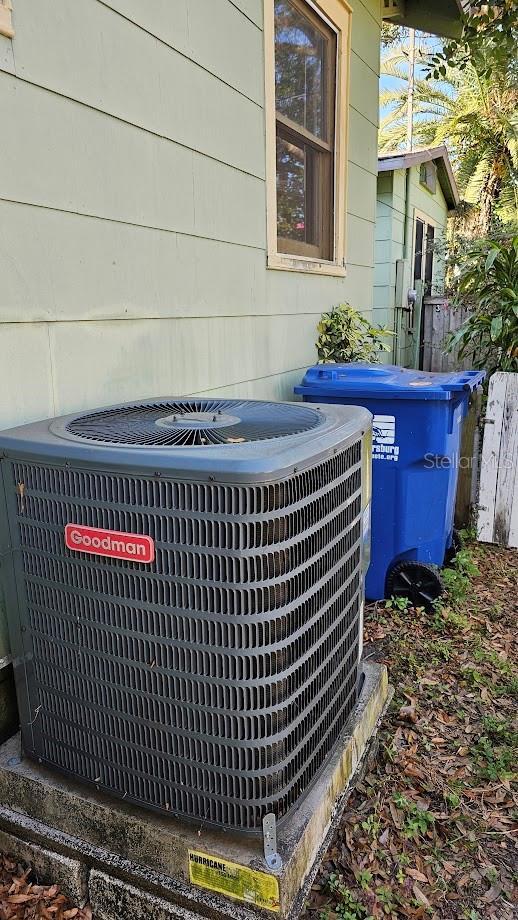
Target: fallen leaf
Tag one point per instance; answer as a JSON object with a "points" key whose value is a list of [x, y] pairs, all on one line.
{"points": [[396, 816], [418, 876], [20, 898], [408, 713], [420, 897], [493, 893]]}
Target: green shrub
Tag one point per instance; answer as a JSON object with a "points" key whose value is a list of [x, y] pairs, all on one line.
{"points": [[487, 283], [345, 335]]}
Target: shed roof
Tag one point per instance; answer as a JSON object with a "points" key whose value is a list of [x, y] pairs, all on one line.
{"points": [[387, 162]]}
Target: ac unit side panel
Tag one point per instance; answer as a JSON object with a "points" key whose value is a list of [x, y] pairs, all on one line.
{"points": [[14, 597], [213, 682]]}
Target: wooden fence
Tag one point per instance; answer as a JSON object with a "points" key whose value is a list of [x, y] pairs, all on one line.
{"points": [[467, 484], [439, 320], [498, 498]]}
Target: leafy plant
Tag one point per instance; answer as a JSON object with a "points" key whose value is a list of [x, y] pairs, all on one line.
{"points": [[348, 907], [452, 798], [440, 650], [449, 619], [472, 109], [345, 335], [458, 577], [364, 878], [385, 897], [398, 603], [496, 761], [487, 282], [417, 822], [489, 31], [371, 826]]}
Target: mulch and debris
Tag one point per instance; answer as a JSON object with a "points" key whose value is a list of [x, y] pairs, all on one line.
{"points": [[21, 896], [430, 830]]}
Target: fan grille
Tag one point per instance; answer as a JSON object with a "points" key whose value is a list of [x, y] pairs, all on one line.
{"points": [[191, 423]]}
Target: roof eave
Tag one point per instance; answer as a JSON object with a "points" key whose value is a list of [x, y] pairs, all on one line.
{"points": [[444, 17], [405, 160]]}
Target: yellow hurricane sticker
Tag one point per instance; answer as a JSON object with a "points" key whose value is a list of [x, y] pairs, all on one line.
{"points": [[235, 881]]}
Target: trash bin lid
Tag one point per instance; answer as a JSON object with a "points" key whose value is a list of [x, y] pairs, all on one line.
{"points": [[385, 381]]}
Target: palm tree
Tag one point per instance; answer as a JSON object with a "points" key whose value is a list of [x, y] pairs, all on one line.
{"points": [[475, 115]]}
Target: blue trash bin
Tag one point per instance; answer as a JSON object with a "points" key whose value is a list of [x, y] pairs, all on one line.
{"points": [[416, 443]]}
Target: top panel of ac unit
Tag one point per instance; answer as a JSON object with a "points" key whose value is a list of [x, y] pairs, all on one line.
{"points": [[189, 436]]}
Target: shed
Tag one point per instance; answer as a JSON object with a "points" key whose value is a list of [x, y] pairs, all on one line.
{"points": [[416, 191]]}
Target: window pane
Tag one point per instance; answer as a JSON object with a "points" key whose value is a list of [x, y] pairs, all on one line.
{"points": [[295, 191], [428, 272], [419, 245], [300, 60]]}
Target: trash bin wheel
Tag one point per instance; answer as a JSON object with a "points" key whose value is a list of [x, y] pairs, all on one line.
{"points": [[421, 583]]}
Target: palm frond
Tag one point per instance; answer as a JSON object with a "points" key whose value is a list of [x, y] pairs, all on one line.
{"points": [[475, 116]]}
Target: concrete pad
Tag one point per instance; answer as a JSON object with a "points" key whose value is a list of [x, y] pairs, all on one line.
{"points": [[111, 899], [196, 901], [155, 847], [49, 867]]}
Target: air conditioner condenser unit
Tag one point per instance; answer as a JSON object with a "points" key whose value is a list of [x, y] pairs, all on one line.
{"points": [[184, 584]]}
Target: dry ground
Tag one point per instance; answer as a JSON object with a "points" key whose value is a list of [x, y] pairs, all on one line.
{"points": [[21, 896], [431, 830]]}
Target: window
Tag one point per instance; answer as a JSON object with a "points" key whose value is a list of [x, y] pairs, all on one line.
{"points": [[428, 269], [423, 271], [306, 116], [305, 68], [6, 24], [428, 176], [424, 251], [419, 249]]}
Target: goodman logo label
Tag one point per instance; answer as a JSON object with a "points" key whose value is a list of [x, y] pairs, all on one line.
{"points": [[111, 543]]}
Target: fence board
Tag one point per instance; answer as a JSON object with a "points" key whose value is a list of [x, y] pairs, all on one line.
{"points": [[498, 501], [427, 338], [468, 468], [440, 319]]}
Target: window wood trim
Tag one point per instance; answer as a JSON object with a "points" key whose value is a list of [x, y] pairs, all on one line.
{"points": [[338, 13], [312, 139], [6, 19]]}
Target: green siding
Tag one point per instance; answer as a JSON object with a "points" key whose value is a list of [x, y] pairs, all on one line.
{"points": [[389, 248], [133, 206], [132, 191]]}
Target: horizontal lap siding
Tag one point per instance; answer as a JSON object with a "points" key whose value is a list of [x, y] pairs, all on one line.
{"points": [[143, 358], [66, 267], [132, 206], [384, 255], [390, 231], [89, 163]]}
